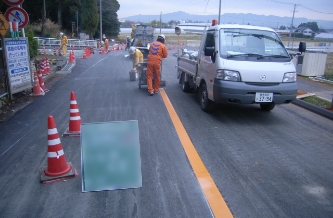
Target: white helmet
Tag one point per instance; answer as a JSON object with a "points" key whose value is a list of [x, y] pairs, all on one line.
{"points": [[61, 34], [132, 50], [161, 38]]}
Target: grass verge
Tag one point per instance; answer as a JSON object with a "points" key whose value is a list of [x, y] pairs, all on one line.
{"points": [[317, 101]]}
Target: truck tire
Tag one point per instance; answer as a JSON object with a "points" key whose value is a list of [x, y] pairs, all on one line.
{"points": [[185, 85], [267, 107], [206, 104]]}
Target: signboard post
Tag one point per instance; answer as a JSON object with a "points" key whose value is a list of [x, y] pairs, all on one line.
{"points": [[18, 65]]}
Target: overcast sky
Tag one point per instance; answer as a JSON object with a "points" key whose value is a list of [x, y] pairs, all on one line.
{"points": [[311, 9]]}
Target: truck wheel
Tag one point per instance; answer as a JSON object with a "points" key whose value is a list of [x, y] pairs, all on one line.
{"points": [[185, 85], [267, 107], [206, 104]]}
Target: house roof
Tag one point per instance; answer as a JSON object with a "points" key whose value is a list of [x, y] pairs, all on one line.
{"points": [[303, 28]]}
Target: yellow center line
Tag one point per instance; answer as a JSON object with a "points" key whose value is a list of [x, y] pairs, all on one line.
{"points": [[213, 195]]}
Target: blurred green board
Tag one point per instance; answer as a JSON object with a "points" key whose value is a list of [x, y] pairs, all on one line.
{"points": [[110, 155]]}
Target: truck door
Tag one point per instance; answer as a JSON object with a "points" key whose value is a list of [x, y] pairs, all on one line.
{"points": [[206, 64]]}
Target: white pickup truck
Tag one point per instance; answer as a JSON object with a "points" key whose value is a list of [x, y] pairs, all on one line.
{"points": [[239, 64]]}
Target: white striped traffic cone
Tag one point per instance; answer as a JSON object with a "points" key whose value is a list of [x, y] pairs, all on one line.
{"points": [[57, 167], [74, 128]]}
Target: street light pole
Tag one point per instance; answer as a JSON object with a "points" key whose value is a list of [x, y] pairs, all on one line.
{"points": [[100, 19]]}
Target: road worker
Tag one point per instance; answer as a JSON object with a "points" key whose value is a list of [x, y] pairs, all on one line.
{"points": [[137, 56], [157, 51], [64, 42], [128, 42], [106, 44]]}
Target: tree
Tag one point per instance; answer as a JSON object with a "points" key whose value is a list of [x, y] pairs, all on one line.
{"points": [[282, 28], [312, 25], [110, 23], [89, 16]]}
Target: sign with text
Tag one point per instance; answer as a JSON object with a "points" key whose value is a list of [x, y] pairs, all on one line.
{"points": [[18, 64]]}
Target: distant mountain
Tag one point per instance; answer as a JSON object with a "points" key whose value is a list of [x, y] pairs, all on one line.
{"points": [[252, 19]]}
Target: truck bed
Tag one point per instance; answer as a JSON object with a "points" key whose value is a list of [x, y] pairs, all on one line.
{"points": [[187, 65]]}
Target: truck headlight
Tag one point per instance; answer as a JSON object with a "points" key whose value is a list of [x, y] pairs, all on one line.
{"points": [[228, 75], [289, 77]]}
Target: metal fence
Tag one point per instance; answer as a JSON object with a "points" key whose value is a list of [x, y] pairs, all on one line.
{"points": [[76, 43]]}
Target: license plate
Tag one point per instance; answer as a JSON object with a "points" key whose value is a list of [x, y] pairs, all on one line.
{"points": [[264, 97]]}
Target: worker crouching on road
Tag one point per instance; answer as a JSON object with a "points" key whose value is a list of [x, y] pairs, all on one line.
{"points": [[106, 44], [137, 56], [64, 42], [157, 51]]}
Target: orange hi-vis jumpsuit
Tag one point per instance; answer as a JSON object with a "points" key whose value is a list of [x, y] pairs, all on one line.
{"points": [[106, 45], [157, 51], [137, 57]]}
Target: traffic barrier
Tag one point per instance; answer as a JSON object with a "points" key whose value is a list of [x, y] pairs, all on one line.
{"points": [[41, 80], [74, 127], [37, 89], [57, 169]]}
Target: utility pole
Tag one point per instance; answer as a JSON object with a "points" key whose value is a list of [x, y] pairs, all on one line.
{"points": [[291, 26], [160, 22], [77, 24], [220, 12], [100, 19]]}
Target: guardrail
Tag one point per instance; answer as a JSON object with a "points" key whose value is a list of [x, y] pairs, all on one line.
{"points": [[326, 49], [53, 42]]}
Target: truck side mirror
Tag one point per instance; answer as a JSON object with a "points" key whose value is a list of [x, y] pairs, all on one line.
{"points": [[209, 51], [302, 47]]}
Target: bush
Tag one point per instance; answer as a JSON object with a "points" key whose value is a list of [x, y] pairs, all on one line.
{"points": [[33, 44], [50, 29]]}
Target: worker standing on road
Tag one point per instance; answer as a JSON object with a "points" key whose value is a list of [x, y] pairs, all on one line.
{"points": [[106, 44], [64, 42], [137, 56], [128, 41], [157, 51]]}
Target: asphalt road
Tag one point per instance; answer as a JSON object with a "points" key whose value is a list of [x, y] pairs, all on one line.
{"points": [[265, 164]]}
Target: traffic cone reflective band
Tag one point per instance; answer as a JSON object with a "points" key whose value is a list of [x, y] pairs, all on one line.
{"points": [[84, 54], [57, 167], [37, 89], [74, 128]]}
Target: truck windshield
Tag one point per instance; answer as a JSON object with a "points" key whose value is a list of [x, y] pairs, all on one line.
{"points": [[251, 43]]}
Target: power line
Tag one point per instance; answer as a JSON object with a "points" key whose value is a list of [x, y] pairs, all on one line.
{"points": [[315, 10]]}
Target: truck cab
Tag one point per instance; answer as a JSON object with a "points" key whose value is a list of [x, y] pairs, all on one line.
{"points": [[241, 64]]}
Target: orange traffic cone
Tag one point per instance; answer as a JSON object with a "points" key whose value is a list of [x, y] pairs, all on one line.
{"points": [[37, 89], [57, 167], [41, 81], [71, 58], [84, 55], [88, 52], [48, 69], [42, 67], [74, 128]]}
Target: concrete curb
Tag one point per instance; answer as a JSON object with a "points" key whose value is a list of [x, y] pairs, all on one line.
{"points": [[313, 108]]}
